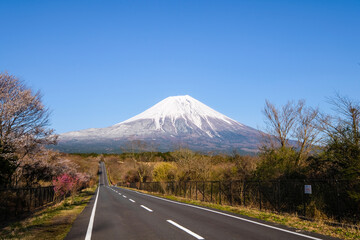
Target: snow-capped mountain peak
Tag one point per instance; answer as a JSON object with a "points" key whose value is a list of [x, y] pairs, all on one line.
{"points": [[180, 107]]}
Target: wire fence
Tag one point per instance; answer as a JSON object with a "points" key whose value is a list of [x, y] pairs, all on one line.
{"points": [[334, 199], [14, 202]]}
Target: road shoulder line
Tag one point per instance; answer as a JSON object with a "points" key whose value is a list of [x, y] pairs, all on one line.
{"points": [[91, 222]]}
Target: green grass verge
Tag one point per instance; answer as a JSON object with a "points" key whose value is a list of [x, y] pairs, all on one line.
{"points": [[53, 222], [317, 226]]}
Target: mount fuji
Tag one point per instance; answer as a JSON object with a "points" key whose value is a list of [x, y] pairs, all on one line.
{"points": [[175, 122]]}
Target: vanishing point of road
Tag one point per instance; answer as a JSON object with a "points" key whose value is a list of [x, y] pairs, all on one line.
{"points": [[117, 213]]}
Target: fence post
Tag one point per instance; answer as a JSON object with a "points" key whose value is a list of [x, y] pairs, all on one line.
{"points": [[220, 192], [7, 207], [303, 198], [46, 195], [337, 200], [196, 189], [30, 198], [279, 196], [41, 196], [17, 202], [259, 192], [231, 195], [244, 193], [203, 191], [185, 189], [176, 188], [190, 190]]}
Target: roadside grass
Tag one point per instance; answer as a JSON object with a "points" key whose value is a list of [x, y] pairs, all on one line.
{"points": [[53, 222], [318, 226]]}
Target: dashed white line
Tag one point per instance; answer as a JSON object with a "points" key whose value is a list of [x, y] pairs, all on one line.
{"points": [[124, 196], [185, 229], [146, 208], [131, 200]]}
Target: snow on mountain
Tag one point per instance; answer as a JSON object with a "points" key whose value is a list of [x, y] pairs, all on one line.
{"points": [[173, 121], [177, 107]]}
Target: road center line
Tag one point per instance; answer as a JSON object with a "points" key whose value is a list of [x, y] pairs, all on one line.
{"points": [[131, 200], [185, 229], [91, 222], [124, 196], [146, 208]]}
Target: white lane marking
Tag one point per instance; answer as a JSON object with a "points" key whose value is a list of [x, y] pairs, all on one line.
{"points": [[91, 222], [228, 215], [185, 229], [119, 194], [124, 196], [146, 208], [131, 200]]}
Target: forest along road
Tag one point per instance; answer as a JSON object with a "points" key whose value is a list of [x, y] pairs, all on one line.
{"points": [[117, 213]]}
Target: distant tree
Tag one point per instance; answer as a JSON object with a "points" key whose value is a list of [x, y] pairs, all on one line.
{"points": [[342, 146], [291, 136], [280, 122], [306, 132], [164, 171], [144, 171], [23, 124], [347, 117], [192, 166]]}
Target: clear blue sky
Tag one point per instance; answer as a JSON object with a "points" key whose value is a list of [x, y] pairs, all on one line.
{"points": [[98, 63]]}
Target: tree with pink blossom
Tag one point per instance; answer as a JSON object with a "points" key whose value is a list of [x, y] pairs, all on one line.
{"points": [[64, 185]]}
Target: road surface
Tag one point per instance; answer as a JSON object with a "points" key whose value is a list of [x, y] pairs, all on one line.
{"points": [[117, 213]]}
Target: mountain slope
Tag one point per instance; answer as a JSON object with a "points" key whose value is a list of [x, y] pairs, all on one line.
{"points": [[179, 121]]}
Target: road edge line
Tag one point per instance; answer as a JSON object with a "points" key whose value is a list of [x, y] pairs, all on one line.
{"points": [[91, 222]]}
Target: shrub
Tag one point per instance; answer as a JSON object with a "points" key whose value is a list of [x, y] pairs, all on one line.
{"points": [[65, 185], [164, 172]]}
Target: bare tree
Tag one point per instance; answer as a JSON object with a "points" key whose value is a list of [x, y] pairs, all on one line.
{"points": [[349, 111], [23, 122], [191, 166], [341, 137], [306, 132], [292, 121], [144, 171], [280, 122]]}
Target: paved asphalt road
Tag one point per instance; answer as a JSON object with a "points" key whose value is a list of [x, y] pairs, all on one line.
{"points": [[116, 213]]}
